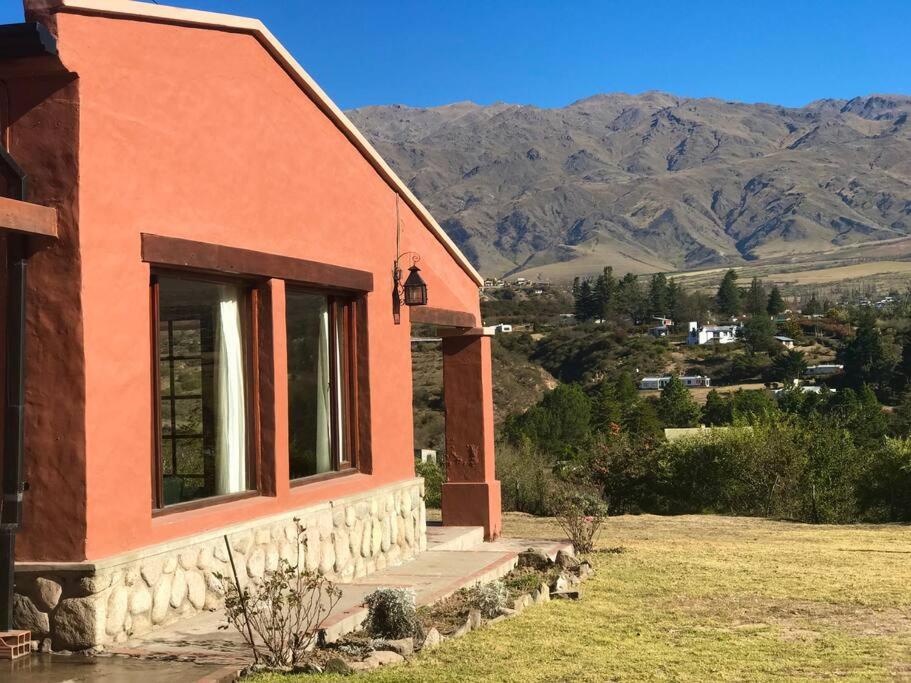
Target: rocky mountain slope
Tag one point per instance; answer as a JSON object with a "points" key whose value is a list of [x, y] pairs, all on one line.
{"points": [[652, 182]]}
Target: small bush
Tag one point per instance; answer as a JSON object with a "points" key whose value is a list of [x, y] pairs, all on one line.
{"points": [[488, 598], [391, 613], [527, 480], [581, 517], [433, 482], [280, 616]]}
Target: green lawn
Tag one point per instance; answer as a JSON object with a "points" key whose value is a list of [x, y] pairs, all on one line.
{"points": [[704, 598]]}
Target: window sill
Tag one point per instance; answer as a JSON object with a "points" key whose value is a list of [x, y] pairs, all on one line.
{"points": [[203, 503], [326, 476]]}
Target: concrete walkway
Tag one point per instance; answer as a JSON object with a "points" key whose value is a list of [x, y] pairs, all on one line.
{"points": [[456, 557]]}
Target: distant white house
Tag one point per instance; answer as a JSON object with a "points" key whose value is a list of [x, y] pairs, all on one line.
{"points": [[786, 342], [663, 322], [426, 455], [659, 331], [823, 370], [805, 389], [661, 382], [502, 328], [711, 334]]}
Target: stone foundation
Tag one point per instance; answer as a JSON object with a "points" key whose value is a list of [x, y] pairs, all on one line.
{"points": [[77, 606]]}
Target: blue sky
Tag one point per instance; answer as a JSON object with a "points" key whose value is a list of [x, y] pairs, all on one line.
{"points": [[432, 52]]}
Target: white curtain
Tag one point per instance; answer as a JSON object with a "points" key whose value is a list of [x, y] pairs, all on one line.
{"points": [[323, 453], [230, 434]]}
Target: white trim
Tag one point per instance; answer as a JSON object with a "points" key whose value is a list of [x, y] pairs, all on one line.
{"points": [[254, 27]]}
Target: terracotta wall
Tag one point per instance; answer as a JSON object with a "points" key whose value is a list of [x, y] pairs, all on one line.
{"points": [[200, 134], [42, 135]]}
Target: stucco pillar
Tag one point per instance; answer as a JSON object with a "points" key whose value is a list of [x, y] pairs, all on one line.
{"points": [[471, 494]]}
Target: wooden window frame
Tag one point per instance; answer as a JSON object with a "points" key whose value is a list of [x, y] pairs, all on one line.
{"points": [[346, 305], [251, 311]]}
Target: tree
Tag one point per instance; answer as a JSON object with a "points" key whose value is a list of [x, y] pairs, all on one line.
{"points": [[728, 298], [812, 307], [756, 299], [903, 369], [640, 420], [758, 333], [631, 299], [717, 409], [775, 305], [658, 299], [605, 295], [863, 356], [607, 410], [586, 305], [676, 407], [753, 405], [789, 365], [561, 422]]}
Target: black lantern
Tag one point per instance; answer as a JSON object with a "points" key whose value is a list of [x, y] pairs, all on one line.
{"points": [[415, 288]]}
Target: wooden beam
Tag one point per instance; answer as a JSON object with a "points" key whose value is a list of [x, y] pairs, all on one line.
{"points": [[28, 218], [216, 258], [442, 317]]}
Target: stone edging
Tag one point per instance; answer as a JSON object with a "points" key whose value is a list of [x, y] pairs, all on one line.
{"points": [[80, 606]]}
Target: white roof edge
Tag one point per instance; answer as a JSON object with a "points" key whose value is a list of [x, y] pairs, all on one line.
{"points": [[197, 18]]}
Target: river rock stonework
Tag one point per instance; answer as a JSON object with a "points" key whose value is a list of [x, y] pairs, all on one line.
{"points": [[78, 606]]}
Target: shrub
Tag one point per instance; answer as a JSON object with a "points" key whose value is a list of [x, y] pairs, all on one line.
{"points": [[433, 482], [624, 468], [391, 613], [885, 489], [581, 517], [280, 616], [488, 598], [527, 480]]}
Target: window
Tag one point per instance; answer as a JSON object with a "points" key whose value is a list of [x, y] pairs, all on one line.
{"points": [[320, 383], [202, 350]]}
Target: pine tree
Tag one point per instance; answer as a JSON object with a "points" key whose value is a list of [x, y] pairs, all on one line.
{"points": [[585, 302], [606, 295], [789, 365], [717, 409], [756, 299], [812, 307], [676, 407], [759, 333], [864, 357], [631, 300], [640, 420], [775, 305], [658, 303], [606, 408], [728, 297]]}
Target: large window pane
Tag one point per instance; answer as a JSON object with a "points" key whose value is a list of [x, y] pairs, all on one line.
{"points": [[310, 384], [201, 365]]}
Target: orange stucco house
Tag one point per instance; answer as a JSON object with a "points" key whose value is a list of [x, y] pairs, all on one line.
{"points": [[210, 343]]}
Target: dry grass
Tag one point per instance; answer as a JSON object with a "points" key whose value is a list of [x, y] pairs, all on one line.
{"points": [[701, 598]]}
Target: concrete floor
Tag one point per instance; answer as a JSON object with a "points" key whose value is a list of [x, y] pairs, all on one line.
{"points": [[72, 668], [455, 557]]}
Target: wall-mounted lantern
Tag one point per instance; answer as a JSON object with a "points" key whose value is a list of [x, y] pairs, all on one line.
{"points": [[414, 291], [415, 288]]}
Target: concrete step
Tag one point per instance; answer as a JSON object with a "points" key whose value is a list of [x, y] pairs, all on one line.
{"points": [[454, 537]]}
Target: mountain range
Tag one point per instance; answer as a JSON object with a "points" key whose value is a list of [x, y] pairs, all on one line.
{"points": [[652, 182]]}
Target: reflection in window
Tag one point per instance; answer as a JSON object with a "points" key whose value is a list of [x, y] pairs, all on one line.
{"points": [[317, 383], [201, 369]]}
